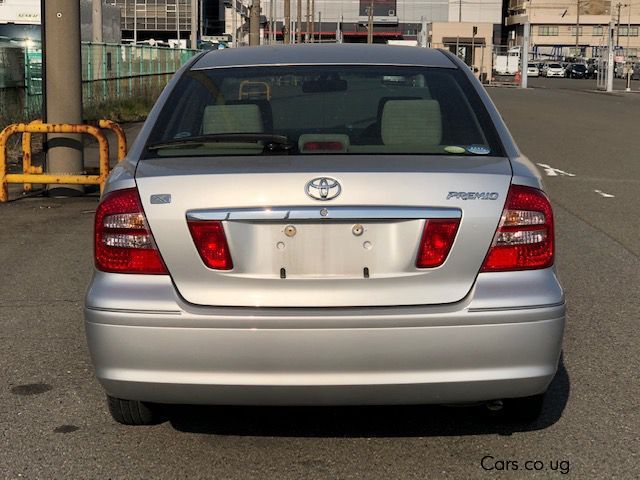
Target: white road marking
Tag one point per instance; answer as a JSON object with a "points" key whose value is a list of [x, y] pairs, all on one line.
{"points": [[554, 172], [605, 195]]}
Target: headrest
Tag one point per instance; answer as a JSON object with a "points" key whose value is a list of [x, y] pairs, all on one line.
{"points": [[241, 118], [411, 122]]}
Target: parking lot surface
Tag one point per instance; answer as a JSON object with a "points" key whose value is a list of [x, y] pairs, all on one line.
{"points": [[53, 417]]}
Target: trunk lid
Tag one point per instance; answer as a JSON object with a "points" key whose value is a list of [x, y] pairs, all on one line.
{"points": [[358, 249]]}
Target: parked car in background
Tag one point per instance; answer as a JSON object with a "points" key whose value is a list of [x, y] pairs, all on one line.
{"points": [[366, 234], [576, 70], [554, 70], [532, 70]]}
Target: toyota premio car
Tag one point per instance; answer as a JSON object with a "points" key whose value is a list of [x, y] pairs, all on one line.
{"points": [[324, 225]]}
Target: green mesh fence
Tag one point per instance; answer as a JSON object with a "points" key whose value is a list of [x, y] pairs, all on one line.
{"points": [[110, 73]]}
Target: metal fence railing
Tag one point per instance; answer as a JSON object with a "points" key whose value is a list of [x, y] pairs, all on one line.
{"points": [[110, 72]]}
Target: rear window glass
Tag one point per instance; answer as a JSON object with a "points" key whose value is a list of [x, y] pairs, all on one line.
{"points": [[323, 110]]}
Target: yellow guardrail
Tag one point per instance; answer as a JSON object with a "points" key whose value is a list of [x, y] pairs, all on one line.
{"points": [[120, 136], [31, 174]]}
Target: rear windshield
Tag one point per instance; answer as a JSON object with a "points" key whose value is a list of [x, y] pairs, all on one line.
{"points": [[324, 109]]}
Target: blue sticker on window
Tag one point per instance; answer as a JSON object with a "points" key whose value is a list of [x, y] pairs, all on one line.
{"points": [[479, 149]]}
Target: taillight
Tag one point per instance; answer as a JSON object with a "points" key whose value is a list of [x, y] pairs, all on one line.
{"points": [[524, 238], [437, 239], [211, 243], [123, 242], [323, 146]]}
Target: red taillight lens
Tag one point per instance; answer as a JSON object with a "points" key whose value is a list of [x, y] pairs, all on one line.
{"points": [[211, 243], [123, 242], [524, 239], [323, 146], [437, 239]]}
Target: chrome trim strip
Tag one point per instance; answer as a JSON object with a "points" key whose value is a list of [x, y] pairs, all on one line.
{"points": [[324, 213], [134, 311], [527, 307]]}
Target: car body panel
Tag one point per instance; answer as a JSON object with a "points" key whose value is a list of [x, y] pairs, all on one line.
{"points": [[299, 366], [324, 261], [477, 349]]}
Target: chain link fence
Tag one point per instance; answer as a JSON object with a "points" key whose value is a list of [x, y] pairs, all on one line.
{"points": [[111, 74]]}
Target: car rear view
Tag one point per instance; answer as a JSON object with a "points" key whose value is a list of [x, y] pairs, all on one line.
{"points": [[357, 229], [555, 70]]}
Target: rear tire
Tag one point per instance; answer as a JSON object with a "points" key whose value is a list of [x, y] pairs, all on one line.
{"points": [[133, 412]]}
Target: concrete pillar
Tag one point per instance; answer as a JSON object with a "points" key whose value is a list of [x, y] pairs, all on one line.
{"points": [[63, 89], [254, 23]]}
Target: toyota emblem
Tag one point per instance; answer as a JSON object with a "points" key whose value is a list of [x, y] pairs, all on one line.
{"points": [[323, 188]]}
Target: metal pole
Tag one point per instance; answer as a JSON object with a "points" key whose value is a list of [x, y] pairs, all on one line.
{"points": [[287, 22], [319, 27], [178, 22], [307, 30], [313, 20], [459, 10], [135, 23], [94, 54], [63, 89], [628, 28], [610, 58], [299, 22], [271, 23], [483, 80], [524, 55], [626, 56], [474, 31], [619, 5], [194, 24], [254, 23], [201, 22], [370, 24], [234, 21], [577, 28]]}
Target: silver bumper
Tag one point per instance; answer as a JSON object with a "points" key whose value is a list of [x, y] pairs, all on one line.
{"points": [[409, 355]]}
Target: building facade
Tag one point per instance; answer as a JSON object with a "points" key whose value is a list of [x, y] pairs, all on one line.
{"points": [[554, 24], [167, 21], [392, 19]]}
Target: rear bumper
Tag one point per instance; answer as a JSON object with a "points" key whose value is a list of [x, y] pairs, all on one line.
{"points": [[331, 366], [406, 355]]}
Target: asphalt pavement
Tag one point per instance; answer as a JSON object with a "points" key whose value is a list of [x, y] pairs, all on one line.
{"points": [[54, 422]]}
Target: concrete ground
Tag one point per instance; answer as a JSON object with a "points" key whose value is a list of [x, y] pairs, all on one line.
{"points": [[54, 422]]}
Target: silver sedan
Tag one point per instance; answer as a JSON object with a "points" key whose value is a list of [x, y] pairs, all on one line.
{"points": [[324, 225]]}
